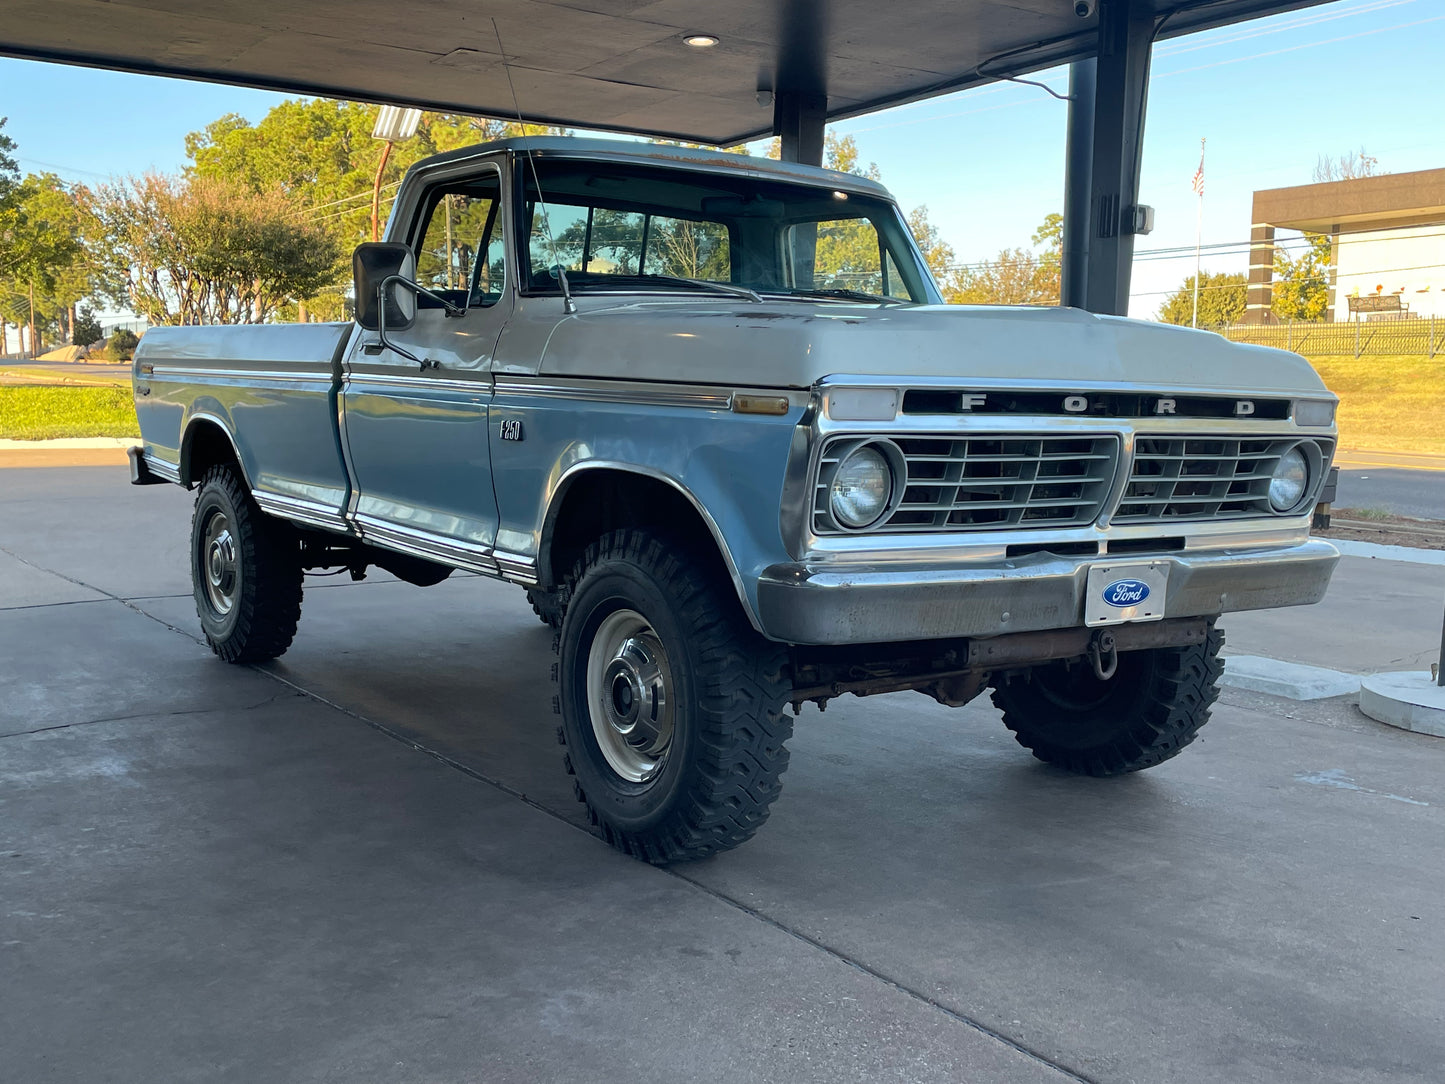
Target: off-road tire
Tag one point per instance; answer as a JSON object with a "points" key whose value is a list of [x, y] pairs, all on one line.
{"points": [[728, 751], [1144, 715], [263, 615], [547, 605]]}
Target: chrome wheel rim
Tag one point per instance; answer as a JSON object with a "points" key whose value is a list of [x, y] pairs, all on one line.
{"points": [[220, 571], [629, 696]]}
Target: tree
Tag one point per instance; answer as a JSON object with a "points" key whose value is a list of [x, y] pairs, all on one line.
{"points": [[41, 254], [1016, 276], [320, 154], [200, 250], [1345, 167], [1221, 300], [1302, 286], [87, 329]]}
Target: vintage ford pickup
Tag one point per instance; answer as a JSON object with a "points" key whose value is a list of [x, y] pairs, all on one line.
{"points": [[710, 412]]}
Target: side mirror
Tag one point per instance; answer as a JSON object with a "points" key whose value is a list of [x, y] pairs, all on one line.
{"points": [[371, 265]]}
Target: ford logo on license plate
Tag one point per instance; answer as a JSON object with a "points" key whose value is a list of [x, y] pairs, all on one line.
{"points": [[1124, 593]]}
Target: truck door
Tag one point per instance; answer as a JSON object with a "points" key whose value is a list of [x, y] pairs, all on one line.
{"points": [[416, 439]]}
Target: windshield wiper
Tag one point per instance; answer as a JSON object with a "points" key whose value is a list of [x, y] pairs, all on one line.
{"points": [[850, 295], [669, 280]]}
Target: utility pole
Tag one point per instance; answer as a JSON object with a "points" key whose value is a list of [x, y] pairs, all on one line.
{"points": [[393, 124]]}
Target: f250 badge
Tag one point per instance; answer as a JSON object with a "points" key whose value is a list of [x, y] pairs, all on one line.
{"points": [[512, 429]]}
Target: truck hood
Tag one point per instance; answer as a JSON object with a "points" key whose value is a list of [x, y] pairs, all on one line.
{"points": [[794, 345]]}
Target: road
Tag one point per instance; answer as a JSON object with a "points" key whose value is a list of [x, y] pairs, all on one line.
{"points": [[365, 861], [1416, 493]]}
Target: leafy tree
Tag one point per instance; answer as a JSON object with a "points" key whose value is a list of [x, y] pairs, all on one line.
{"points": [[9, 170], [39, 274], [87, 329], [1302, 286], [121, 345], [1221, 300], [1345, 167], [1016, 276], [200, 250]]}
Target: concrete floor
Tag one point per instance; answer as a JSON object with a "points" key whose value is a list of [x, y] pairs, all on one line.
{"points": [[364, 862]]}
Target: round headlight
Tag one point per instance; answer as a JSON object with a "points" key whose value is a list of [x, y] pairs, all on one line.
{"points": [[862, 488], [1291, 479]]}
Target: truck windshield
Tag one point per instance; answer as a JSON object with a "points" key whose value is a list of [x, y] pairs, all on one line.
{"points": [[622, 227]]}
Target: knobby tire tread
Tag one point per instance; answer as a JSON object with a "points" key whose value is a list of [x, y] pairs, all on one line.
{"points": [[742, 682]]}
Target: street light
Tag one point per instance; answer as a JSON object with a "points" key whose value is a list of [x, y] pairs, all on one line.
{"points": [[393, 125]]}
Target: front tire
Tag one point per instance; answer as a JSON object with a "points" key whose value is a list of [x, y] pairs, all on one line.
{"points": [[671, 704], [1151, 708], [245, 572]]}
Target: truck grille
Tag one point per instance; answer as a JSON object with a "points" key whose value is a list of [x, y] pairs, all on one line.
{"points": [[989, 481], [1192, 478]]}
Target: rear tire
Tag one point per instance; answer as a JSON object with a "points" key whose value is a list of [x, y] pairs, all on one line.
{"points": [[547, 605], [245, 572], [1145, 714], [671, 704]]}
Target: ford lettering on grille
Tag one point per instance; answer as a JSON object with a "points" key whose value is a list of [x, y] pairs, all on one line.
{"points": [[1126, 593]]}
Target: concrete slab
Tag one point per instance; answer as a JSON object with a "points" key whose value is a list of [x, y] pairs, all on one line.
{"points": [[273, 891], [1378, 615], [1288, 679], [282, 893], [22, 584], [1407, 699]]}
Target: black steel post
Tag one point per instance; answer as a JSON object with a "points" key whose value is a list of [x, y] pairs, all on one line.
{"points": [[798, 118], [1126, 36], [1078, 163]]}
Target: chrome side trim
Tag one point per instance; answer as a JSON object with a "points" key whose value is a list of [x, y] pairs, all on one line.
{"points": [[517, 567], [416, 382], [301, 511], [606, 390], [417, 543], [209, 375], [171, 472]]}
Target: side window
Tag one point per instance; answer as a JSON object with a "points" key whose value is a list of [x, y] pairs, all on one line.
{"points": [[461, 254], [842, 254]]}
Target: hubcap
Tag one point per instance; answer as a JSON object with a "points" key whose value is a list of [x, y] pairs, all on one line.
{"points": [[218, 559], [629, 697]]}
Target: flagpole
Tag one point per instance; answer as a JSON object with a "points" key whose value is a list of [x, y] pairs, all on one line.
{"points": [[1198, 232]]}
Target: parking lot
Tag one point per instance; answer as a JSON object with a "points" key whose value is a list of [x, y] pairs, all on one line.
{"points": [[364, 862]]}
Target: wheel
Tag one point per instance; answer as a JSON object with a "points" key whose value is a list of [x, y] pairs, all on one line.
{"points": [[245, 571], [547, 605], [671, 705], [1146, 713]]}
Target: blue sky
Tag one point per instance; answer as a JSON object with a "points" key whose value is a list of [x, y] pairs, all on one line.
{"points": [[1270, 96]]}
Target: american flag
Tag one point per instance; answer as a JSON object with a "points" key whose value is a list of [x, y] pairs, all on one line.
{"points": [[1199, 173]]}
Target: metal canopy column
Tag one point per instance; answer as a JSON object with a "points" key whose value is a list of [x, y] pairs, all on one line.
{"points": [[798, 117], [1101, 180]]}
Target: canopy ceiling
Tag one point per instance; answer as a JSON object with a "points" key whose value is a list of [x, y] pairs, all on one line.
{"points": [[606, 64]]}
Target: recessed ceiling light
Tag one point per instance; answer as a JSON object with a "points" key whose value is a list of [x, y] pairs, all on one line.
{"points": [[700, 41]]}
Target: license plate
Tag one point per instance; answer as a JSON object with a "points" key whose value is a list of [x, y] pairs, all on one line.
{"points": [[1119, 593]]}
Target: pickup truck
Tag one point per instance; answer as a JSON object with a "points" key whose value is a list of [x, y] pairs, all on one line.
{"points": [[710, 412]]}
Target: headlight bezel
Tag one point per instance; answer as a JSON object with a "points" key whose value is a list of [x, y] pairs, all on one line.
{"points": [[1313, 459], [897, 474]]}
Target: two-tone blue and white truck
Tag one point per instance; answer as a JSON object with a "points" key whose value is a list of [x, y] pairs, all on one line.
{"points": [[711, 413]]}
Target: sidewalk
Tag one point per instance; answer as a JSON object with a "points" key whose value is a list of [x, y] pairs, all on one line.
{"points": [[1355, 459]]}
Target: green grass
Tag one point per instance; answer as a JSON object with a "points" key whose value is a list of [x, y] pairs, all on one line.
{"points": [[1388, 404], [44, 413]]}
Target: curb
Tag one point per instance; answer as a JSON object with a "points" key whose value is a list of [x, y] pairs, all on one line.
{"points": [[67, 444], [1291, 680]]}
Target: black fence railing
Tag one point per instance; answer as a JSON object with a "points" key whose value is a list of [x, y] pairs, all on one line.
{"points": [[1357, 338]]}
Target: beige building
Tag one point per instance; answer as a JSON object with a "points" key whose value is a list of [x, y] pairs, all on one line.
{"points": [[1387, 252]]}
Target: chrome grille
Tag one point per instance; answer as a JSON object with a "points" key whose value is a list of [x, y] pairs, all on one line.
{"points": [[989, 481], [1192, 478]]}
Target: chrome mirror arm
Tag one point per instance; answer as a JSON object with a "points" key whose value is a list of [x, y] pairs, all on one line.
{"points": [[383, 343]]}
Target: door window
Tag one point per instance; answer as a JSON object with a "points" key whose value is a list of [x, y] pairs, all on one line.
{"points": [[461, 254]]}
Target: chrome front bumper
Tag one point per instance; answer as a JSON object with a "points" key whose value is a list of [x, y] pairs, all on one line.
{"points": [[875, 604]]}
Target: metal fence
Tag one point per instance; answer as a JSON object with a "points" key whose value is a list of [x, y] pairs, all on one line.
{"points": [[1359, 338]]}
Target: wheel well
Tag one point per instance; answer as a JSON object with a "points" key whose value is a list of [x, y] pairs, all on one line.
{"points": [[598, 501], [206, 446]]}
